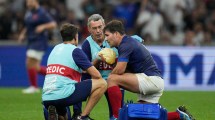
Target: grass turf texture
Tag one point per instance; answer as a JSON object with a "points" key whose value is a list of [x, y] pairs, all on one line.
{"points": [[17, 106]]}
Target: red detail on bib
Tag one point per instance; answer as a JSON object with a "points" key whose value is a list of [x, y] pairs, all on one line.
{"points": [[63, 71]]}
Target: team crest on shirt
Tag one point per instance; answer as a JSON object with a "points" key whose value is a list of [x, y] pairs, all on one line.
{"points": [[34, 16]]}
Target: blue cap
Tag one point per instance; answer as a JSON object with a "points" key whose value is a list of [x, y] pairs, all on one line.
{"points": [[138, 38]]}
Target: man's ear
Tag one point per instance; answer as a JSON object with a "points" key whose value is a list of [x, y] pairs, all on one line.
{"points": [[117, 34]]}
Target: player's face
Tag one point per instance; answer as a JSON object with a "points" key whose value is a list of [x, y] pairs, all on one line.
{"points": [[31, 4], [111, 38], [96, 30]]}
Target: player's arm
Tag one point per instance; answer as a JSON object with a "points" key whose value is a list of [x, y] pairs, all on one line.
{"points": [[95, 74], [46, 26], [124, 53], [82, 61], [48, 23], [120, 68], [22, 35]]}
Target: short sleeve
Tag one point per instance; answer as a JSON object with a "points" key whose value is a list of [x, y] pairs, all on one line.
{"points": [[125, 51], [86, 48], [81, 59]]}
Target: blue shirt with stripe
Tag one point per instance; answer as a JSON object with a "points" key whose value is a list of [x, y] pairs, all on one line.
{"points": [[138, 58], [34, 18]]}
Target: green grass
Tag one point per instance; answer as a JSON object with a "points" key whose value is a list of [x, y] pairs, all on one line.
{"points": [[16, 106]]}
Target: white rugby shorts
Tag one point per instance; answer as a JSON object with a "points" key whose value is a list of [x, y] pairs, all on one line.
{"points": [[35, 54], [151, 87]]}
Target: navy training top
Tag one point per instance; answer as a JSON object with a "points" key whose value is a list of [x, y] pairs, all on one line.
{"points": [[34, 18], [138, 58]]}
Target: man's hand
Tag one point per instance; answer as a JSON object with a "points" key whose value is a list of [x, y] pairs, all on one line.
{"points": [[47, 26], [22, 36], [108, 55], [102, 57], [40, 28]]}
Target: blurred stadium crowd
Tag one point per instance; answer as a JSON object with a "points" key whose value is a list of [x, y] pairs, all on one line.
{"points": [[159, 22]]}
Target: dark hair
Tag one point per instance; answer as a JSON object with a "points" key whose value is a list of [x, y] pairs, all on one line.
{"points": [[115, 26], [68, 31]]}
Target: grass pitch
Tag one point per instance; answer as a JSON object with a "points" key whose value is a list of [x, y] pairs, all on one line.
{"points": [[17, 106]]}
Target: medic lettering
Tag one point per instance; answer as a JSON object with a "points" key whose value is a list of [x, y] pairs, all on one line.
{"points": [[63, 71], [55, 69]]}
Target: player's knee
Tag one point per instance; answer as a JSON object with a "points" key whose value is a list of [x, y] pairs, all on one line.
{"points": [[103, 84], [111, 78], [100, 83]]}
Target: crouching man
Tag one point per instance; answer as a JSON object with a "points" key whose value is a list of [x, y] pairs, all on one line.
{"points": [[62, 86]]}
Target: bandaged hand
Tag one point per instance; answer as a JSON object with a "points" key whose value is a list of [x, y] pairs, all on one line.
{"points": [[108, 55]]}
